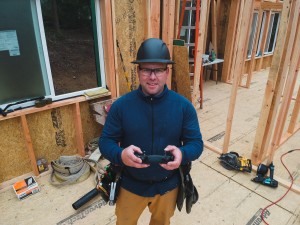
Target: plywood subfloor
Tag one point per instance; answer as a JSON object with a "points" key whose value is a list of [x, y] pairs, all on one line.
{"points": [[225, 197]]}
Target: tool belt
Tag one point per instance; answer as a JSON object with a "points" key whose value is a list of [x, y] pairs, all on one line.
{"points": [[126, 174], [71, 169], [187, 191]]}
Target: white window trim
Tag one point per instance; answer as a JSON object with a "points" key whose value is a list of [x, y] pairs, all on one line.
{"points": [[266, 52], [254, 35], [262, 28]]}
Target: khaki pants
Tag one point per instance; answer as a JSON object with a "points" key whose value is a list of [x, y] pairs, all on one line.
{"points": [[130, 206]]}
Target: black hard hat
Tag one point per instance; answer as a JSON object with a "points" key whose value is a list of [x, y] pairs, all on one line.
{"points": [[153, 50]]}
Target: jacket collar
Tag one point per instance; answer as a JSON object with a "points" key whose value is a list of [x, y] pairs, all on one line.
{"points": [[159, 96]]}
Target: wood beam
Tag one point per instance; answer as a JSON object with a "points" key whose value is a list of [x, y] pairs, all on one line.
{"points": [[214, 34], [154, 19], [78, 129], [246, 11], [265, 122], [254, 49], [230, 39], [295, 113], [271, 6], [29, 145], [264, 39], [108, 45], [168, 29], [200, 50], [287, 96]]}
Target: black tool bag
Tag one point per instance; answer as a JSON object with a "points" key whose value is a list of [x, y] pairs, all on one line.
{"points": [[187, 191]]}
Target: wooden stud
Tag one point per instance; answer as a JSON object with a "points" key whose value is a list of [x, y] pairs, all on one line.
{"points": [[264, 39], [200, 50], [267, 151], [177, 15], [254, 49], [265, 122], [108, 45], [78, 129], [295, 113], [239, 64], [29, 145], [168, 29], [214, 35], [287, 95], [154, 19], [230, 39]]}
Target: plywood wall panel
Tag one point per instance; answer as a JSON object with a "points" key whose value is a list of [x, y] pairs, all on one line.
{"points": [[14, 159], [129, 31], [53, 133]]}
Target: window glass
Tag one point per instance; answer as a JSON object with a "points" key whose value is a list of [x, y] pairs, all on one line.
{"points": [[252, 34], [49, 48], [70, 41], [22, 68], [272, 33]]}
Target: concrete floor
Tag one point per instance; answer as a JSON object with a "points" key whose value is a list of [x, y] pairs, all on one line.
{"points": [[225, 197]]}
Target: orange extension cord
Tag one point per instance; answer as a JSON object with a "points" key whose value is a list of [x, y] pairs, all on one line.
{"points": [[292, 179]]}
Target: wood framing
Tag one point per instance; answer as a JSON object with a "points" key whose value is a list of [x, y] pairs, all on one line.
{"points": [[246, 8], [200, 50], [154, 20], [168, 22], [275, 84], [109, 56], [230, 40]]}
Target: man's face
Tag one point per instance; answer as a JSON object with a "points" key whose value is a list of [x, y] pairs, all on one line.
{"points": [[153, 77]]}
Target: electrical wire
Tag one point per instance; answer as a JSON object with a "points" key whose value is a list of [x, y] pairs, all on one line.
{"points": [[292, 179]]}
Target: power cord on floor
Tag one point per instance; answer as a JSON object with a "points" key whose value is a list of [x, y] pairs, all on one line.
{"points": [[292, 179]]}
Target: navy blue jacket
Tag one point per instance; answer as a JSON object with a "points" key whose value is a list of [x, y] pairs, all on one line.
{"points": [[151, 123]]}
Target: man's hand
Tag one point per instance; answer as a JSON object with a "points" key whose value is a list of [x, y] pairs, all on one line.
{"points": [[129, 159], [177, 158]]}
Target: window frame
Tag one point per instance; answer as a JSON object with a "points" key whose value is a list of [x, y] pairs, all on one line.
{"points": [[269, 34], [252, 34], [261, 34], [41, 32]]}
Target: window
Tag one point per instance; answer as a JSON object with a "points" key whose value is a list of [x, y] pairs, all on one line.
{"points": [[272, 33], [262, 27], [49, 48], [252, 34]]}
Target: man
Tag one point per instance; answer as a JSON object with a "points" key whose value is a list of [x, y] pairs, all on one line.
{"points": [[155, 121]]}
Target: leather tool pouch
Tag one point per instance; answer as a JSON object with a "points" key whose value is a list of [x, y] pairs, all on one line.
{"points": [[187, 191]]}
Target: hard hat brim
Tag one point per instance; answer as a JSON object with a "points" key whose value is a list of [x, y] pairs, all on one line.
{"points": [[167, 61]]}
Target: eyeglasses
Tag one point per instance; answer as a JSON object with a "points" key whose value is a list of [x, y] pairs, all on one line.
{"points": [[157, 71]]}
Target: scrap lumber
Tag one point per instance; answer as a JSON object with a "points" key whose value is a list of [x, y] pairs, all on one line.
{"points": [[246, 9], [181, 76], [100, 110]]}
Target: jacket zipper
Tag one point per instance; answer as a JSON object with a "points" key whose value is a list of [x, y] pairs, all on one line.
{"points": [[152, 125]]}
